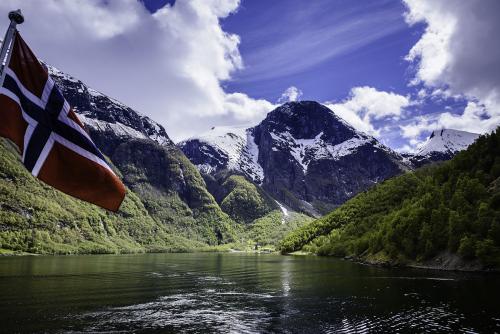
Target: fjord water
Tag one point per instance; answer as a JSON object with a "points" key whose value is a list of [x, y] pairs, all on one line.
{"points": [[240, 293]]}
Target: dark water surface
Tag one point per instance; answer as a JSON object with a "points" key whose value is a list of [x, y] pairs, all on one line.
{"points": [[238, 293]]}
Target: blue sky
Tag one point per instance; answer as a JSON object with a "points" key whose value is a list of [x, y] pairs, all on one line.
{"points": [[396, 69], [322, 47], [325, 48]]}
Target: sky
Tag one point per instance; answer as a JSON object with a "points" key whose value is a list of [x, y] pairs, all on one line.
{"points": [[395, 69]]}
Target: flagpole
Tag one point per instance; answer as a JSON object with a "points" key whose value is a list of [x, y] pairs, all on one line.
{"points": [[16, 17]]}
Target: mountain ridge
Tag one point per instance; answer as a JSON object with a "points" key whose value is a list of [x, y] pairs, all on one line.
{"points": [[299, 140]]}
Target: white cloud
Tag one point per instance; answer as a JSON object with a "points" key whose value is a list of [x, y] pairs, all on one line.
{"points": [[405, 149], [168, 65], [367, 104], [419, 125], [432, 50], [291, 94], [472, 119], [458, 55], [247, 109]]}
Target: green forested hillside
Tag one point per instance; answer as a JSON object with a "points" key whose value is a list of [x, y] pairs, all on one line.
{"points": [[453, 207], [173, 191], [264, 223], [271, 228], [36, 218], [244, 201]]}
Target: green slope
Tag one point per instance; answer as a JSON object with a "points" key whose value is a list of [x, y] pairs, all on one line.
{"points": [[271, 228], [36, 218], [263, 223], [453, 207], [173, 191], [244, 201]]}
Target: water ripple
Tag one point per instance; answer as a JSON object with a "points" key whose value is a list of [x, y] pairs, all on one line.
{"points": [[186, 313]]}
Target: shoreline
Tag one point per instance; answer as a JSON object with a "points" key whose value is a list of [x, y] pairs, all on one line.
{"points": [[465, 267], [434, 264], [454, 263], [9, 253]]}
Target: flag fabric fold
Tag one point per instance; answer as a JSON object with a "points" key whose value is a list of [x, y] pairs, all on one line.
{"points": [[53, 142]]}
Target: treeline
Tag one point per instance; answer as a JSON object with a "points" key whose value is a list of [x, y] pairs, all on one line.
{"points": [[453, 206]]}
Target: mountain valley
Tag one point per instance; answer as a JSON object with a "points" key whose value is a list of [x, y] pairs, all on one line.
{"points": [[230, 186]]}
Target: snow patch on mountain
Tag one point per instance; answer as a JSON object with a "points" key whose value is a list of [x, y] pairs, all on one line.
{"points": [[54, 72], [115, 102], [118, 129], [206, 168], [103, 113], [237, 145], [306, 150], [447, 141]]}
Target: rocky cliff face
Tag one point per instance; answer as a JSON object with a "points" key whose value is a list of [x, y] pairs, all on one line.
{"points": [[106, 115], [302, 154], [314, 161], [171, 189]]}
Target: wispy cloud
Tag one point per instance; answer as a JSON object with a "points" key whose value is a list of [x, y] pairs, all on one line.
{"points": [[297, 43]]}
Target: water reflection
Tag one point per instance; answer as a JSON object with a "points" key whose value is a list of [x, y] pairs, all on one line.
{"points": [[285, 276]]}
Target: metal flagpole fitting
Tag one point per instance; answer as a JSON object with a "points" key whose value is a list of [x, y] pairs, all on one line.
{"points": [[16, 17]]}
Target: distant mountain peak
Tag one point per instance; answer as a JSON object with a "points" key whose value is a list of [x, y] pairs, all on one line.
{"points": [[441, 145], [447, 141]]}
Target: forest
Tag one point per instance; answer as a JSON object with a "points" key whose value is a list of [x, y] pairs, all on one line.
{"points": [[448, 207]]}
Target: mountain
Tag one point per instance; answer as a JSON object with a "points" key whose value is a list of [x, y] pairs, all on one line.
{"points": [[169, 197], [103, 115], [443, 216], [442, 145], [301, 154], [171, 189], [36, 218], [225, 148], [239, 184]]}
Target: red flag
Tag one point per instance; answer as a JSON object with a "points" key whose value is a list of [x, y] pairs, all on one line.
{"points": [[53, 142]]}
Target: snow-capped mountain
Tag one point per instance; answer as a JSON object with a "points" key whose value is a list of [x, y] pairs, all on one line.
{"points": [[225, 148], [301, 153], [150, 164], [104, 114], [442, 145]]}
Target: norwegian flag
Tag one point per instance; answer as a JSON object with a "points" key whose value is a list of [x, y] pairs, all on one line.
{"points": [[52, 140]]}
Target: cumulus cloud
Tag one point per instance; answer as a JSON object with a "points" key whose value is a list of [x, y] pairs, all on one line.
{"points": [[366, 105], [243, 108], [417, 126], [291, 94], [458, 55], [474, 119], [168, 65]]}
